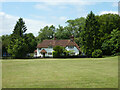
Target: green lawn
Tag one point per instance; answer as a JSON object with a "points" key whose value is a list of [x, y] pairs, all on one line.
{"points": [[60, 73]]}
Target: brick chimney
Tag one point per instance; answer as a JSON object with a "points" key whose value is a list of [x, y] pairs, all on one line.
{"points": [[72, 38]]}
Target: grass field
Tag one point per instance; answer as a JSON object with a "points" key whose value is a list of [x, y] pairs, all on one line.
{"points": [[60, 73]]}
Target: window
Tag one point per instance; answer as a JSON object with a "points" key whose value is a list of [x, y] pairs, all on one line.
{"points": [[50, 47], [49, 53], [70, 46]]}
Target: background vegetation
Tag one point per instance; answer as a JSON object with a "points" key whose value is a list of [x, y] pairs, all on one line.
{"points": [[99, 33]]}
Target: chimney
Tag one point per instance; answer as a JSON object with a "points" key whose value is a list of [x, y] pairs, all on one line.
{"points": [[72, 38]]}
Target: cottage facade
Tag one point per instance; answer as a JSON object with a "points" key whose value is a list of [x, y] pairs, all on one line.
{"points": [[45, 48]]}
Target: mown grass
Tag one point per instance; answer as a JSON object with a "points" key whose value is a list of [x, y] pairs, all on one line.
{"points": [[60, 73]]}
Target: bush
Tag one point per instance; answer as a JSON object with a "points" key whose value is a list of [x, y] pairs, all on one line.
{"points": [[58, 51], [55, 54], [97, 53]]}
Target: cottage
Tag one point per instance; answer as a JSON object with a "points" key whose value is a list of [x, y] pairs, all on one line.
{"points": [[45, 48]]}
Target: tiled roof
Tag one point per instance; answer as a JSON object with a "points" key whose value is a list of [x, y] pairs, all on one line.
{"points": [[64, 43]]}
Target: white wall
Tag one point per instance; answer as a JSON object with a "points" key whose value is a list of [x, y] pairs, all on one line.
{"points": [[74, 49], [50, 50]]}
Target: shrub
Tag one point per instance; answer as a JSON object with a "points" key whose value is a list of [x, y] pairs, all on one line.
{"points": [[55, 54], [97, 53], [58, 51]]}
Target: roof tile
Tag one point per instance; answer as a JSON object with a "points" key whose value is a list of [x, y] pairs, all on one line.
{"points": [[64, 43]]}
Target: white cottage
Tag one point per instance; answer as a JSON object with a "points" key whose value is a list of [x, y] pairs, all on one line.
{"points": [[45, 48]]}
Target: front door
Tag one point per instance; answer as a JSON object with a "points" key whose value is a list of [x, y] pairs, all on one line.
{"points": [[43, 54]]}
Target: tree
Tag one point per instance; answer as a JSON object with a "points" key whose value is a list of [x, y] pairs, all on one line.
{"points": [[5, 43], [46, 33], [108, 22], [111, 46], [20, 28], [58, 51], [62, 33], [89, 37], [76, 26], [18, 48], [31, 42]]}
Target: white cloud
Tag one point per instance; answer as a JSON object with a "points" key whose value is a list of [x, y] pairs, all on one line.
{"points": [[106, 12], [9, 21]]}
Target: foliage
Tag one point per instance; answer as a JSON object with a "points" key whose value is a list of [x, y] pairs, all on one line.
{"points": [[68, 53], [5, 43], [58, 51], [111, 46], [19, 28], [46, 33], [108, 22], [18, 48], [62, 33], [30, 40], [89, 36], [76, 26], [90, 33], [97, 53]]}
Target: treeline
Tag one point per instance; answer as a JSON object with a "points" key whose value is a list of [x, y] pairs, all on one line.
{"points": [[96, 35]]}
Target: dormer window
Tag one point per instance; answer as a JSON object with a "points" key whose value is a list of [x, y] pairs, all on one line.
{"points": [[70, 47], [50, 47]]}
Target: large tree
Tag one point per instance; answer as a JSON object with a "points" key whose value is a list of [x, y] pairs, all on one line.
{"points": [[62, 33], [17, 46], [20, 28], [90, 35], [76, 26], [108, 22], [46, 33], [112, 46]]}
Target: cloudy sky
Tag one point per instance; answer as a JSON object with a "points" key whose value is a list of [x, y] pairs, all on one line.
{"points": [[40, 13]]}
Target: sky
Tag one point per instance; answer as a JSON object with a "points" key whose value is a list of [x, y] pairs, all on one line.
{"points": [[41, 13]]}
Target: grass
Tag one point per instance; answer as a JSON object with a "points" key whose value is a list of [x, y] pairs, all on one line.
{"points": [[60, 73]]}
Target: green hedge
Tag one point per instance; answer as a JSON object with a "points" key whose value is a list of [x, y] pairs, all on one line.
{"points": [[97, 53]]}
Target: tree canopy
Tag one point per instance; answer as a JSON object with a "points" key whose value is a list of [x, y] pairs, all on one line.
{"points": [[20, 43], [95, 34]]}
